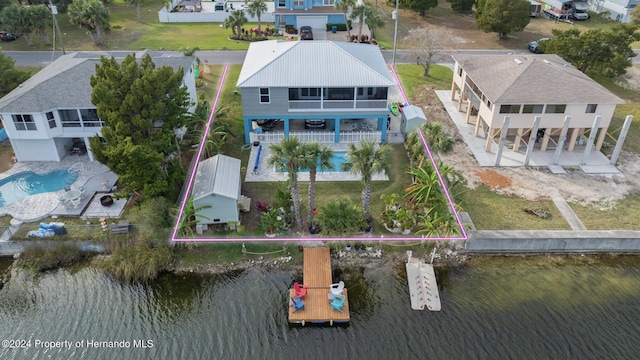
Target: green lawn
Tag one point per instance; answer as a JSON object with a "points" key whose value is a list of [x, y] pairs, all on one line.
{"points": [[491, 211], [622, 215], [190, 254]]}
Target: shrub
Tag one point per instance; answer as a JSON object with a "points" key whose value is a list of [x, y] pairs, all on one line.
{"points": [[39, 259], [151, 215], [139, 263], [200, 83], [340, 217]]}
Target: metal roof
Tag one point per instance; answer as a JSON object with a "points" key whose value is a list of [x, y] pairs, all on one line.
{"points": [[316, 63], [533, 79], [65, 83], [217, 175]]}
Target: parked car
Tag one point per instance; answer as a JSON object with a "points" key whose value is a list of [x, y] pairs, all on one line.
{"points": [[533, 46], [315, 124], [306, 33], [7, 36], [579, 10]]}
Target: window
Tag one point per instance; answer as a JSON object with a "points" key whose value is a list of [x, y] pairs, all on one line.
{"points": [[360, 91], [24, 122], [51, 120], [509, 109], [264, 96], [314, 92], [555, 109], [282, 4], [298, 2], [328, 2], [90, 118], [340, 94], [69, 118], [293, 94], [591, 108], [532, 109]]}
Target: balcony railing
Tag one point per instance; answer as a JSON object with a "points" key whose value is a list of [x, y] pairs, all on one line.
{"points": [[475, 100], [336, 104], [325, 137]]}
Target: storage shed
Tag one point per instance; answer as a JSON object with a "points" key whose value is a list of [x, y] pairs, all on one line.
{"points": [[412, 117], [216, 190]]}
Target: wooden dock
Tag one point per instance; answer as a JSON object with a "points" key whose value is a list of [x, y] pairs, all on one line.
{"points": [[317, 279]]}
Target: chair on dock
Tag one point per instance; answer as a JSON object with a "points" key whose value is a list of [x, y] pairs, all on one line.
{"points": [[297, 303], [300, 290], [336, 289], [338, 302]]}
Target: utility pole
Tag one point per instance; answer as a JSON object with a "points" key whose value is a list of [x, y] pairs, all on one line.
{"points": [[54, 12], [394, 16]]}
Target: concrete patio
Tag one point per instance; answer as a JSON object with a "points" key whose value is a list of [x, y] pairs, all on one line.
{"points": [[95, 177]]}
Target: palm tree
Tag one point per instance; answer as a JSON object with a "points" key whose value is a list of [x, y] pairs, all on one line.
{"points": [[41, 20], [345, 6], [257, 8], [235, 21], [365, 161], [190, 218], [319, 156], [18, 20], [425, 188], [137, 3], [91, 15], [374, 21], [361, 12], [288, 156], [439, 141], [215, 140]]}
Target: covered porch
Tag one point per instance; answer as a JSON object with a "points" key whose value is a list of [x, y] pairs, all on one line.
{"points": [[322, 130]]}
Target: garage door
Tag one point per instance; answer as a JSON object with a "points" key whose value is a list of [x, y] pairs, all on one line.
{"points": [[316, 22]]}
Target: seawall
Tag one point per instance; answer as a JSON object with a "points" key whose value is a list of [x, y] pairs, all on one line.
{"points": [[554, 241]]}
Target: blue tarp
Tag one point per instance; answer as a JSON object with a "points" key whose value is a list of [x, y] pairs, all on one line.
{"points": [[3, 134]]}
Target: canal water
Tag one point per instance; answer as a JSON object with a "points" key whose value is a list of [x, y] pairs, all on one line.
{"points": [[493, 308]]}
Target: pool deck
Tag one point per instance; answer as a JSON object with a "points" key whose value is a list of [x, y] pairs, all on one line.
{"points": [[94, 176], [269, 173]]}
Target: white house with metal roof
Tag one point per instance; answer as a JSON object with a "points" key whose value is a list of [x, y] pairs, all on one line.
{"points": [[51, 114], [300, 84], [492, 88], [314, 13], [216, 190]]}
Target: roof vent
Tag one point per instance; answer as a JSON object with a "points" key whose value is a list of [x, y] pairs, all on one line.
{"points": [[517, 61]]}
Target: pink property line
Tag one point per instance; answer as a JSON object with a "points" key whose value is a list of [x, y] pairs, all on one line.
{"points": [[395, 76], [424, 142], [195, 168]]}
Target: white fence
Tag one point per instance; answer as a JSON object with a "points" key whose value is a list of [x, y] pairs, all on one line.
{"points": [[194, 17], [165, 16], [320, 137]]}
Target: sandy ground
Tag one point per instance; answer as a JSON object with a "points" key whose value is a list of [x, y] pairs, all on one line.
{"points": [[531, 183]]}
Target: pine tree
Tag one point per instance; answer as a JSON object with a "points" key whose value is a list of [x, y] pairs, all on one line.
{"points": [[140, 105]]}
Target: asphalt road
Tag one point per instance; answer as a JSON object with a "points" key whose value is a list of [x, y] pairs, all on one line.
{"points": [[43, 58]]}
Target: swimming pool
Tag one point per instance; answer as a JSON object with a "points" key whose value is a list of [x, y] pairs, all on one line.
{"points": [[339, 158], [18, 186]]}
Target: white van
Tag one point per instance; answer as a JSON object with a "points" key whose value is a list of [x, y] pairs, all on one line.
{"points": [[579, 10]]}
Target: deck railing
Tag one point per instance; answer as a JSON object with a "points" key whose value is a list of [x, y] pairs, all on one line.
{"points": [[325, 137]]}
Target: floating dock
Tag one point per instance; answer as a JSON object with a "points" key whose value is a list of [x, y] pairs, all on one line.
{"points": [[422, 285], [317, 279]]}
